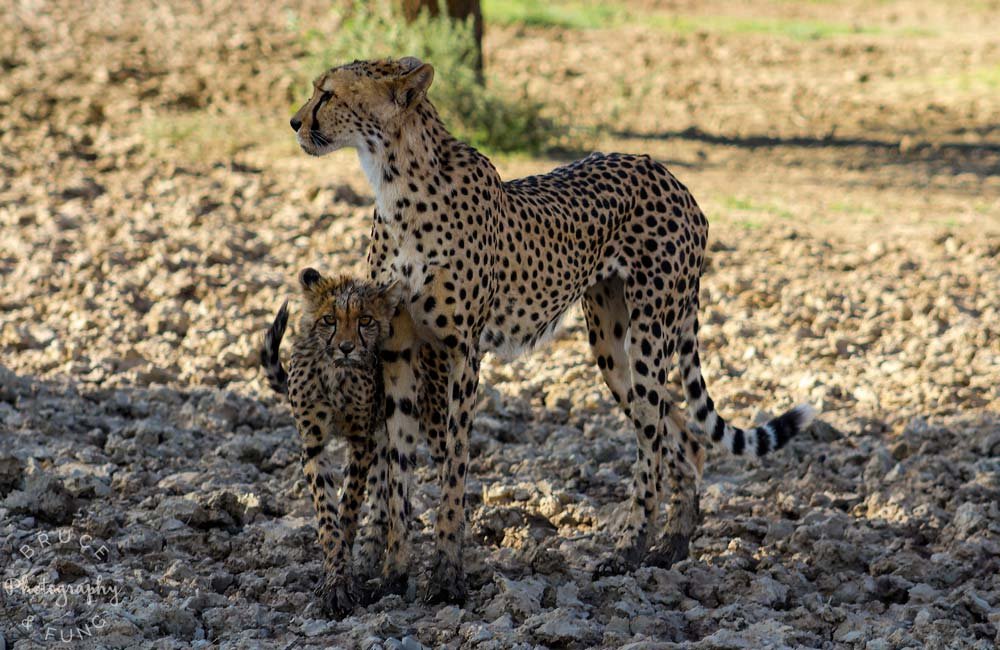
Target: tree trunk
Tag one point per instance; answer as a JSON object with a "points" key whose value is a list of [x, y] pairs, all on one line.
{"points": [[457, 9]]}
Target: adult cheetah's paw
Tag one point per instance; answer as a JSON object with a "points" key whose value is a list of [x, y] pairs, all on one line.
{"points": [[338, 594], [446, 583]]}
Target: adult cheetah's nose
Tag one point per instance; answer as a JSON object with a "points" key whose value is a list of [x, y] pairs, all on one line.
{"points": [[296, 124], [346, 346]]}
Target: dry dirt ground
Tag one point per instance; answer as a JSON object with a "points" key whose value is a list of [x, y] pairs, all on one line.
{"points": [[154, 212]]}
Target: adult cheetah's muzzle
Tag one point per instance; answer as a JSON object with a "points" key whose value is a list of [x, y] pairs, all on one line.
{"points": [[318, 139]]}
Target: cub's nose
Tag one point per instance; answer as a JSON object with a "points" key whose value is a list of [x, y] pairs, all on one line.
{"points": [[296, 124], [346, 346]]}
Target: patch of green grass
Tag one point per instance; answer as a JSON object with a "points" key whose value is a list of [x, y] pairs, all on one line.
{"points": [[847, 207], [583, 14], [802, 30], [985, 77], [749, 224], [971, 79], [746, 205], [571, 15], [493, 116], [577, 14], [917, 31], [737, 203]]}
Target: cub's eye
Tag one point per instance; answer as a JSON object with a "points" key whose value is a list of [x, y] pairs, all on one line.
{"points": [[330, 320], [365, 321]]}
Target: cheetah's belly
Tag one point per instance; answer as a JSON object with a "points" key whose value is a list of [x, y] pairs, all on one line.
{"points": [[517, 325]]}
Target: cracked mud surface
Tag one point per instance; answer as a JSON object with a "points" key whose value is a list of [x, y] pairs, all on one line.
{"points": [[852, 183]]}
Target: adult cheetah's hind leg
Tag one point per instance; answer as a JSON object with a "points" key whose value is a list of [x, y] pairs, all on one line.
{"points": [[608, 328], [683, 461], [711, 428]]}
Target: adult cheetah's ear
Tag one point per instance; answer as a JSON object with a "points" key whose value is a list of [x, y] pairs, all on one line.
{"points": [[308, 277], [409, 63], [408, 89]]}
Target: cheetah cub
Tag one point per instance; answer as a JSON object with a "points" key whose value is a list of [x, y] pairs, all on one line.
{"points": [[334, 387]]}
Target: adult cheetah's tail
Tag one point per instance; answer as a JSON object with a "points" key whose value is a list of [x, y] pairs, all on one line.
{"points": [[269, 358], [758, 440]]}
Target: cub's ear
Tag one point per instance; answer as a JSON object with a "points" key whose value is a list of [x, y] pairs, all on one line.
{"points": [[408, 89], [308, 277], [393, 294]]}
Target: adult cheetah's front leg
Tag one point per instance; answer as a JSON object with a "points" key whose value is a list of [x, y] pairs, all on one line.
{"points": [[398, 358], [447, 579]]}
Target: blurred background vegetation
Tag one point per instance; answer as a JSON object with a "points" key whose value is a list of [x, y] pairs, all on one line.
{"points": [[521, 79], [493, 115], [485, 107]]}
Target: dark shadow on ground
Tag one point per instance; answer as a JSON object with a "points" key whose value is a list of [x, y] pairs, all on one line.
{"points": [[980, 158]]}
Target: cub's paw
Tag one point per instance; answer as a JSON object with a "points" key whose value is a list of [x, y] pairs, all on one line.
{"points": [[613, 564], [670, 549], [370, 557], [391, 584], [620, 561], [446, 583], [673, 545], [338, 594]]}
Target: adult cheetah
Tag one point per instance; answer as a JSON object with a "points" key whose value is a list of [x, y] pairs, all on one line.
{"points": [[492, 266], [334, 386]]}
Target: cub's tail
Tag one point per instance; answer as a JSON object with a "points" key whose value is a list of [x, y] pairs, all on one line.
{"points": [[269, 358], [758, 441]]}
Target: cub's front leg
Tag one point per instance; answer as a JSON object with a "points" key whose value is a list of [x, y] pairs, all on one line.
{"points": [[340, 590], [372, 538]]}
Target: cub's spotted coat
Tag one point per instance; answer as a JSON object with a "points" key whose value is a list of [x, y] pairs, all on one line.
{"points": [[334, 385]]}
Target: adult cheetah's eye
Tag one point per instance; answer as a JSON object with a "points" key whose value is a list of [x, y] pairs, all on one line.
{"points": [[365, 321], [330, 320]]}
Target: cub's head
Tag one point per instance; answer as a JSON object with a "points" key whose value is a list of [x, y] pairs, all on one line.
{"points": [[354, 105], [346, 319]]}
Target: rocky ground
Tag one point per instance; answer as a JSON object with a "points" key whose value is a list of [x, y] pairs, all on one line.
{"points": [[154, 212]]}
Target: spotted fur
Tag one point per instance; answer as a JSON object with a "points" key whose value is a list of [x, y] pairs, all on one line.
{"points": [[335, 388], [492, 266]]}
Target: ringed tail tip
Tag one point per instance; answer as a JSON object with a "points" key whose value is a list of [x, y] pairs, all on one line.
{"points": [[805, 413]]}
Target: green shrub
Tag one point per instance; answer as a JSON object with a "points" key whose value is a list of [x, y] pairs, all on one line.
{"points": [[491, 116], [568, 15]]}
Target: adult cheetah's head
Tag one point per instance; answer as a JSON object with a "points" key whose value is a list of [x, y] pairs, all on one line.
{"points": [[345, 318], [356, 104]]}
